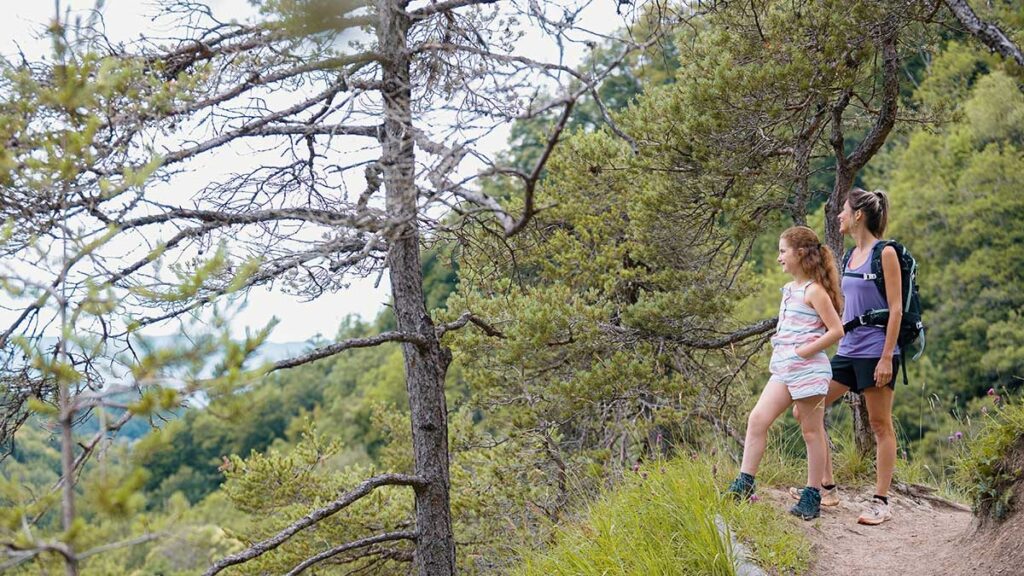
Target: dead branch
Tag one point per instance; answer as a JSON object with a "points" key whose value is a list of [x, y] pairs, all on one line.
{"points": [[989, 34], [465, 318], [332, 349], [364, 488], [361, 543]]}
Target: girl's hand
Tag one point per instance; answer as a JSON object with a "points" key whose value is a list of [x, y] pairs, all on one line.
{"points": [[803, 355], [883, 371]]}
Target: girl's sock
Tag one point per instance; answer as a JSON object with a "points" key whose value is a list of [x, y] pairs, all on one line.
{"points": [[884, 499], [827, 486]]}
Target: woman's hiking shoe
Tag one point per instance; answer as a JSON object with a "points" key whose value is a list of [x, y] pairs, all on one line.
{"points": [[742, 488], [829, 497], [876, 513], [809, 506]]}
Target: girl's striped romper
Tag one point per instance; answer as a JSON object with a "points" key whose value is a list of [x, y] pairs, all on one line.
{"points": [[798, 325]]}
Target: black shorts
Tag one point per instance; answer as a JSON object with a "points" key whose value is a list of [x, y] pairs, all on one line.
{"points": [[858, 374]]}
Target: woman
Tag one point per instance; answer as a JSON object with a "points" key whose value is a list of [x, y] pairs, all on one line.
{"points": [[867, 360]]}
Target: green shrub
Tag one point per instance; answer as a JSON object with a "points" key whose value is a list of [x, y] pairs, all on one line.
{"points": [[993, 462]]}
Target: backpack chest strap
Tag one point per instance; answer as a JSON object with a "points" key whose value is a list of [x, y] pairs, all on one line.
{"points": [[868, 276]]}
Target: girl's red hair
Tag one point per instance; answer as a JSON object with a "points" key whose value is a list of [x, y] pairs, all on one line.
{"points": [[816, 260]]}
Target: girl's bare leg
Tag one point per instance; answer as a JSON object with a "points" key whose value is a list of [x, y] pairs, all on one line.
{"points": [[773, 401], [812, 425]]}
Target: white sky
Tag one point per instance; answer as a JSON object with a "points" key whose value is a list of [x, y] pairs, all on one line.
{"points": [[23, 28]]}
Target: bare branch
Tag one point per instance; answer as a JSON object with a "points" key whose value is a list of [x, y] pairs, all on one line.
{"points": [[439, 7], [361, 543], [317, 130], [611, 123], [890, 103], [360, 249], [22, 555], [332, 349], [837, 139], [314, 215], [989, 34], [364, 488], [122, 544], [534, 177], [701, 344], [466, 318], [503, 58]]}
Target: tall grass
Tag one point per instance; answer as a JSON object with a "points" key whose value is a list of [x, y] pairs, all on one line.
{"points": [[661, 521]]}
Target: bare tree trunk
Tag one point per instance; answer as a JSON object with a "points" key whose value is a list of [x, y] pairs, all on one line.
{"points": [[836, 200], [67, 419], [67, 464], [425, 364], [863, 437]]}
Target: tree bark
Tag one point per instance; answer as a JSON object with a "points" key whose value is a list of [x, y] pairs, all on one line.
{"points": [[426, 363], [989, 34]]}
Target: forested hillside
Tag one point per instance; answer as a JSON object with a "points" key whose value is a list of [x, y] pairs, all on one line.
{"points": [[596, 306]]}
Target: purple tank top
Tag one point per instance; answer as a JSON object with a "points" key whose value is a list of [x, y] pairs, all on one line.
{"points": [[859, 296]]}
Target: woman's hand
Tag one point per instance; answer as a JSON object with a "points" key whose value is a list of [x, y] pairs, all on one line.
{"points": [[883, 371]]}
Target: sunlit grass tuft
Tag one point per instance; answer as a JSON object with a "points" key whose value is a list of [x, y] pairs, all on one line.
{"points": [[661, 521]]}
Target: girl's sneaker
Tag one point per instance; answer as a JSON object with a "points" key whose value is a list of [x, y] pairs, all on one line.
{"points": [[876, 513], [809, 506], [829, 497], [742, 488]]}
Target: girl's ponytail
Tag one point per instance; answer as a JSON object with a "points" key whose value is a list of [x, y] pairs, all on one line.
{"points": [[817, 261], [829, 278]]}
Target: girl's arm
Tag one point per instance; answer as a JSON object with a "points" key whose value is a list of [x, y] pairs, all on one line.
{"points": [[894, 298], [817, 298]]}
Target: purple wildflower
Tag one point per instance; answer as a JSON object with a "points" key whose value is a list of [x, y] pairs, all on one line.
{"points": [[754, 497], [958, 434], [991, 392]]}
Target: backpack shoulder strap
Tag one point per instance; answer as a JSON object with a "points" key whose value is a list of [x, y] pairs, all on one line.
{"points": [[876, 261], [873, 274], [846, 260]]}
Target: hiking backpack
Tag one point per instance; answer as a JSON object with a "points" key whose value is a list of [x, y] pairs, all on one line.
{"points": [[911, 334]]}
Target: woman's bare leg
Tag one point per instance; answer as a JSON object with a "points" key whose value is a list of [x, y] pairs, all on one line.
{"points": [[879, 404]]}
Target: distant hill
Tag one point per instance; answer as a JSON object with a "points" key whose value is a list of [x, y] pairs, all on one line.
{"points": [[138, 427]]}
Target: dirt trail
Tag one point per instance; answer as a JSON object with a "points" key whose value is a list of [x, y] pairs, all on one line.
{"points": [[922, 539]]}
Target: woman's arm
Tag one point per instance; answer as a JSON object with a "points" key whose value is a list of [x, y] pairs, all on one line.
{"points": [[817, 298], [894, 298]]}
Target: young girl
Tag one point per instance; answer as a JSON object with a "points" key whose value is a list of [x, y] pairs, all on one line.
{"points": [[808, 324]]}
